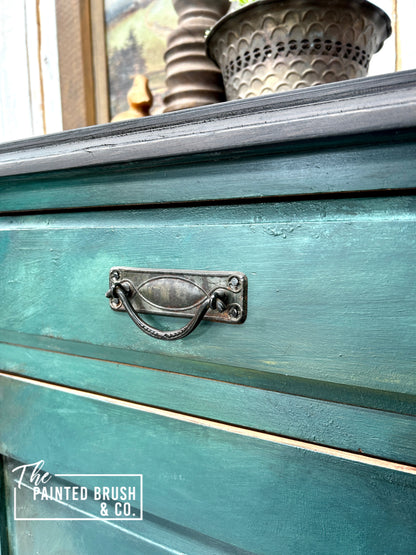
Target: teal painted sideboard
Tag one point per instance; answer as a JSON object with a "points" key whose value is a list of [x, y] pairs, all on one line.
{"points": [[294, 432]]}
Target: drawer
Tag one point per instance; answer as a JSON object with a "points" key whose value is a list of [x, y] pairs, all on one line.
{"points": [[327, 343], [207, 487], [330, 290]]}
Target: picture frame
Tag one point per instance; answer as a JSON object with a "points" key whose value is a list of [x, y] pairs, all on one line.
{"points": [[83, 73]]}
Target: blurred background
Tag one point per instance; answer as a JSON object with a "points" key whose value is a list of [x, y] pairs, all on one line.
{"points": [[70, 63]]}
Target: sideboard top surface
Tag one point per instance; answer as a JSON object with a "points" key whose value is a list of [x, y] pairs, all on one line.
{"points": [[357, 135], [365, 105]]}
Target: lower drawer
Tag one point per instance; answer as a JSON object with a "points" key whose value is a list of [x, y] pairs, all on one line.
{"points": [[380, 433], [224, 488]]}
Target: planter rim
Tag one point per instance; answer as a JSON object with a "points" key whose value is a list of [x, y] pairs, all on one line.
{"points": [[364, 4]]}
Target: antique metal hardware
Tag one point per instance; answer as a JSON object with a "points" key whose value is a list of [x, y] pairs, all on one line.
{"points": [[199, 295]]}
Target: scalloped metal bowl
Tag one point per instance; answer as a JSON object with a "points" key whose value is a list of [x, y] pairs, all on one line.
{"points": [[278, 45]]}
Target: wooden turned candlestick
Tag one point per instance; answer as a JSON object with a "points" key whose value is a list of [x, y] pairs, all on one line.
{"points": [[192, 78]]}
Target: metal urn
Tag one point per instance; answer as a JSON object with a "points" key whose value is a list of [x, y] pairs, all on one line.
{"points": [[278, 45]]}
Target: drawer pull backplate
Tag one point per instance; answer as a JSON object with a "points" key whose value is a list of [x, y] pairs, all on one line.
{"points": [[199, 295]]}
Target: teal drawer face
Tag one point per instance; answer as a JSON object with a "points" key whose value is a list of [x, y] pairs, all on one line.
{"points": [[330, 288], [206, 482], [389, 434], [71, 526]]}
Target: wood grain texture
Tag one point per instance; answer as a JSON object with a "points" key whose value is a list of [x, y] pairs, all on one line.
{"points": [[331, 294], [364, 105], [99, 62], [16, 110], [374, 432], [49, 65], [42, 50], [30, 101], [34, 39], [251, 493], [327, 391], [169, 415], [75, 63]]}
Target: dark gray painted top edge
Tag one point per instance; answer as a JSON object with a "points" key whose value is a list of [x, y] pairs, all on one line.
{"points": [[364, 105]]}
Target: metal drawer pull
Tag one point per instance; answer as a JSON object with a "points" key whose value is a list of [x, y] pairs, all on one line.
{"points": [[219, 296], [211, 302]]}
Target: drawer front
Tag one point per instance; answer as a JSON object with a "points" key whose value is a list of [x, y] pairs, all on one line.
{"points": [[214, 486], [330, 290], [386, 434], [327, 349]]}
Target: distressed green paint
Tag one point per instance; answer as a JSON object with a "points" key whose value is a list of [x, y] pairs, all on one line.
{"points": [[374, 432], [331, 295], [4, 529], [364, 397], [326, 355], [151, 536], [251, 493], [305, 169]]}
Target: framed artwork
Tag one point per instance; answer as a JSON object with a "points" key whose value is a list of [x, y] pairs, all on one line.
{"points": [[136, 33], [109, 41]]}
